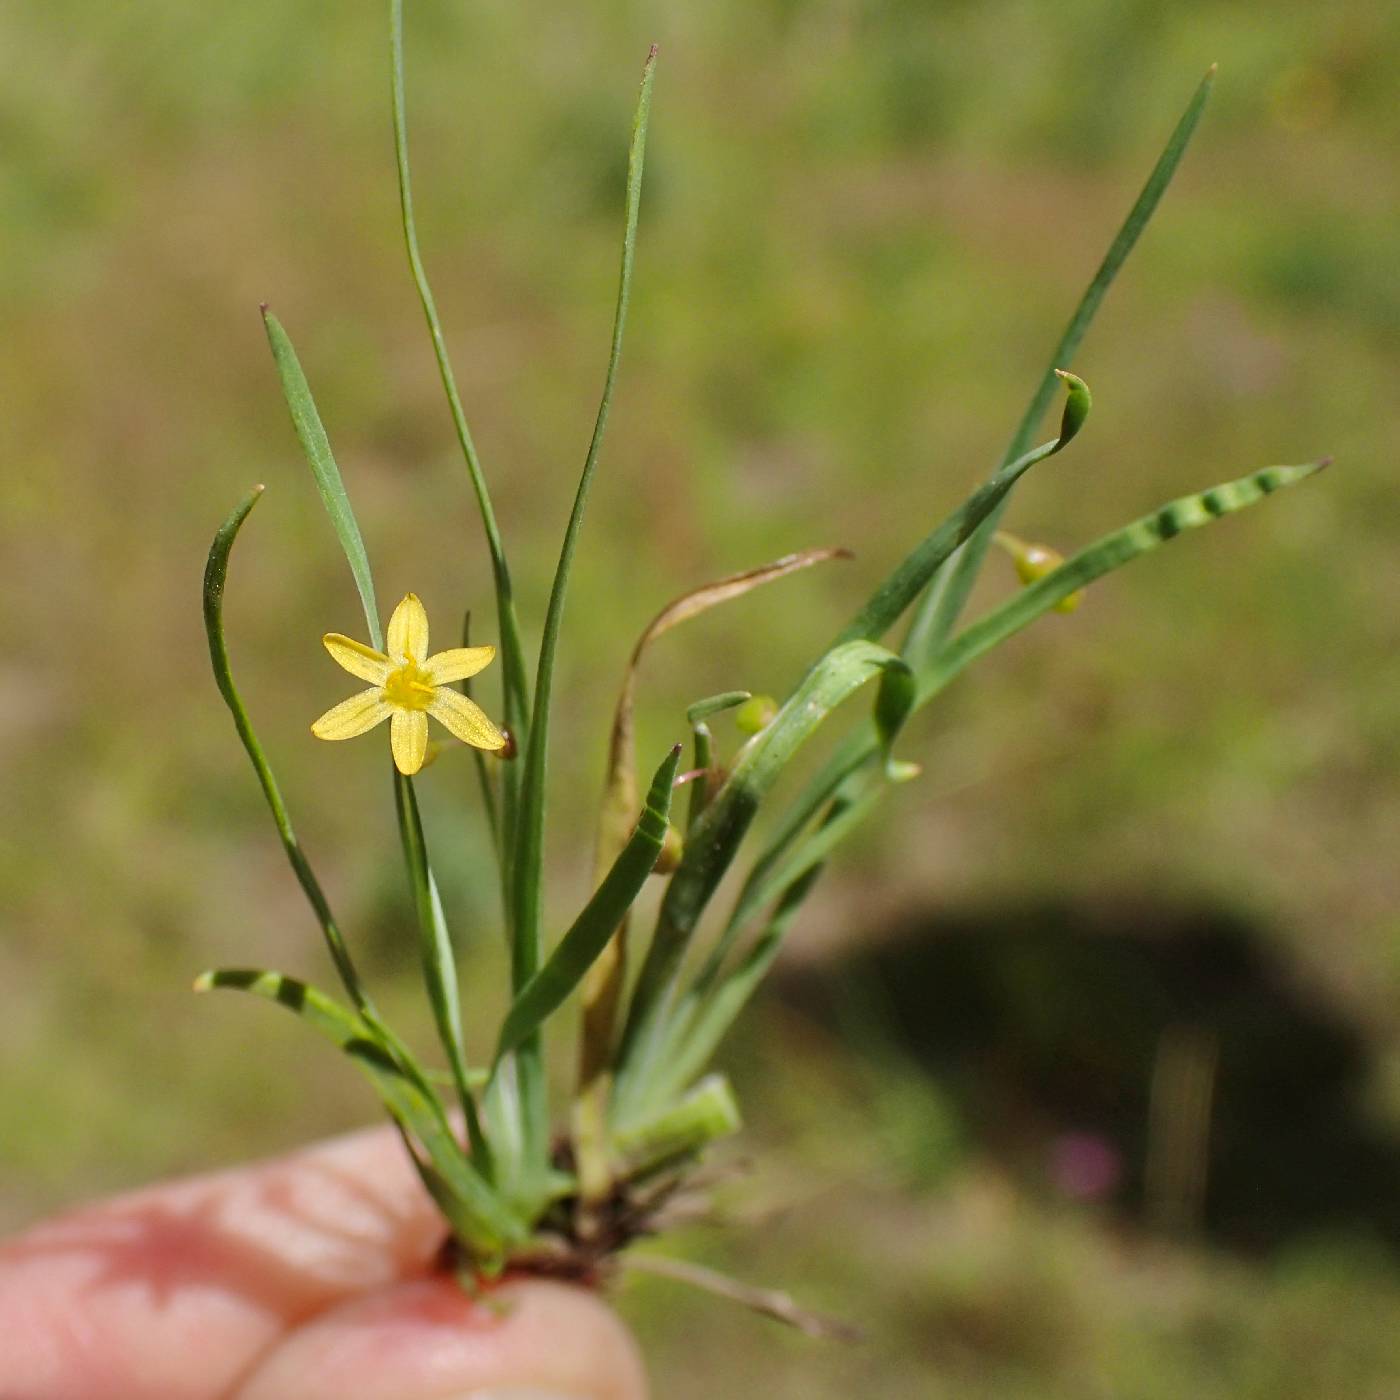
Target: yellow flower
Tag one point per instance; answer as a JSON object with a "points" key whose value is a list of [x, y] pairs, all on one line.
{"points": [[406, 687]]}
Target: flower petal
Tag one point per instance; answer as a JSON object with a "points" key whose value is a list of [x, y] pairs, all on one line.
{"points": [[353, 716], [408, 631], [466, 720], [457, 664], [408, 737], [357, 658]]}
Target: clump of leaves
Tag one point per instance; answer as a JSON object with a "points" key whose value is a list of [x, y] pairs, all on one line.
{"points": [[563, 1188]]}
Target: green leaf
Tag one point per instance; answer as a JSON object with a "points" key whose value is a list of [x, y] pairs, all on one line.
{"points": [[603, 987], [515, 684], [483, 775], [1110, 552], [921, 563], [439, 963], [944, 601], [704, 1115], [476, 1213], [712, 705], [715, 838], [546, 991], [847, 813], [314, 443], [215, 578], [705, 1015], [854, 800], [529, 844]]}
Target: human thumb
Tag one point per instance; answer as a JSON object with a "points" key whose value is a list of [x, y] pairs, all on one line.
{"points": [[426, 1340]]}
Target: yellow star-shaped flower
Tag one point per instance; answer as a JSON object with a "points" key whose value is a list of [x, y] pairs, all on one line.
{"points": [[407, 686]]}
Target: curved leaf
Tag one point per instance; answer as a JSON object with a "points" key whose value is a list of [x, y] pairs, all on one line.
{"points": [[1110, 552], [913, 573], [215, 578], [477, 1214]]}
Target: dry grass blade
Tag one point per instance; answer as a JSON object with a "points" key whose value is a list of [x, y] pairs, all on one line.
{"points": [[771, 1302], [602, 987], [620, 798]]}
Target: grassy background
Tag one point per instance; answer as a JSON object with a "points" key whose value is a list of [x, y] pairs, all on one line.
{"points": [[863, 226]]}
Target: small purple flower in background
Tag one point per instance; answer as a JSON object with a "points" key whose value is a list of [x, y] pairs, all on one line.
{"points": [[1085, 1166]]}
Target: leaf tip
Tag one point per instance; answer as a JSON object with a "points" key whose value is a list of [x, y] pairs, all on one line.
{"points": [[651, 54], [203, 982], [1077, 405], [264, 310]]}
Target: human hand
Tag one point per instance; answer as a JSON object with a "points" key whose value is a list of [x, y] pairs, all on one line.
{"points": [[307, 1276]]}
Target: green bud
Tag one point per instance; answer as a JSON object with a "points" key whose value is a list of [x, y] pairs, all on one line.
{"points": [[672, 849], [756, 714]]}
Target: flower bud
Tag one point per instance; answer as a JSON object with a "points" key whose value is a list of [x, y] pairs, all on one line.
{"points": [[1033, 561], [756, 714], [672, 849]]}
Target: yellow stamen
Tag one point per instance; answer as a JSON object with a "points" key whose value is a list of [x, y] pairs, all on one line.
{"points": [[408, 688]]}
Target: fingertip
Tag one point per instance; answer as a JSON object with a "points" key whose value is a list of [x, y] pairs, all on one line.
{"points": [[427, 1340]]}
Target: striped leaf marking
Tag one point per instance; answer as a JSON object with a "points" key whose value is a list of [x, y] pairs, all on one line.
{"points": [[480, 1218]]}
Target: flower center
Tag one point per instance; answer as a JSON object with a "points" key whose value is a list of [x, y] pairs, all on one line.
{"points": [[408, 687]]}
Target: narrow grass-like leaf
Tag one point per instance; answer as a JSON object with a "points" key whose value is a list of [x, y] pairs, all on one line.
{"points": [[1111, 552], [603, 985], [703, 778], [315, 444], [945, 599], [215, 578], [848, 811], [705, 1114], [704, 1016], [489, 799], [477, 1214], [716, 836], [504, 1113], [440, 974], [712, 705], [913, 573], [515, 684], [529, 843], [439, 962], [545, 992]]}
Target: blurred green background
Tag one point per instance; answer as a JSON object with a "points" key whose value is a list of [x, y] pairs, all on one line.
{"points": [[1155, 841]]}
